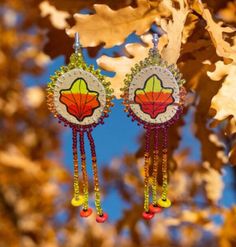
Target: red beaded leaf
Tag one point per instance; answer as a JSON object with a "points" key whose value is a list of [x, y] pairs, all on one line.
{"points": [[154, 98], [80, 102]]}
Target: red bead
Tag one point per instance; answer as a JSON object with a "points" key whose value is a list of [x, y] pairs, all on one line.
{"points": [[102, 218], [155, 209], [86, 213], [147, 215]]}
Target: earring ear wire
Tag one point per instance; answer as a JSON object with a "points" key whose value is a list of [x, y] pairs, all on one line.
{"points": [[76, 44], [155, 40]]}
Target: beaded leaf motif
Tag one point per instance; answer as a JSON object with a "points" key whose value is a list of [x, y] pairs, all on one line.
{"points": [[154, 98], [80, 102]]}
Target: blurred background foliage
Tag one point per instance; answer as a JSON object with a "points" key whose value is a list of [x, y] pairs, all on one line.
{"points": [[35, 186]]}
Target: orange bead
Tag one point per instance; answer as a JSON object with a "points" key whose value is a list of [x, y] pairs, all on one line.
{"points": [[155, 209], [86, 213]]}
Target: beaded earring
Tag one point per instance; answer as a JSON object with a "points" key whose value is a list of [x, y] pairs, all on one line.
{"points": [[153, 96], [80, 97]]}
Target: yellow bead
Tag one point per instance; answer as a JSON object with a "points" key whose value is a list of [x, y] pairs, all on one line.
{"points": [[77, 202], [164, 203]]}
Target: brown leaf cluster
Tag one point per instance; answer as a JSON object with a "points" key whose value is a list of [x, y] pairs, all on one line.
{"points": [[114, 26]]}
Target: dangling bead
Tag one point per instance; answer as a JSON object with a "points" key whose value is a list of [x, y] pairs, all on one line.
{"points": [[164, 201], [146, 173], [78, 199], [77, 202], [101, 216], [147, 215], [154, 209], [84, 170], [86, 213], [155, 168]]}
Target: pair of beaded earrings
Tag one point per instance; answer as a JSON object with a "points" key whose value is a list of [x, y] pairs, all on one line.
{"points": [[80, 97]]}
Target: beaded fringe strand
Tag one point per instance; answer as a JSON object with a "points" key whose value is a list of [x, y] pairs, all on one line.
{"points": [[84, 170], [164, 201], [77, 198], [155, 168], [147, 214], [101, 216]]}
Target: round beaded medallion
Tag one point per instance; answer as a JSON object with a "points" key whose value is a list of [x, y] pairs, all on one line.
{"points": [[79, 97], [154, 93]]}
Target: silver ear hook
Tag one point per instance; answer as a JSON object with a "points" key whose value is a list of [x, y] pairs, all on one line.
{"points": [[76, 45], [155, 40]]}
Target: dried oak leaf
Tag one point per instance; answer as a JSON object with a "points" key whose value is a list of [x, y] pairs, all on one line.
{"points": [[34, 96], [232, 155], [214, 183], [201, 56], [72, 5], [57, 17], [111, 27], [228, 14], [189, 27], [224, 102], [227, 234], [217, 32], [154, 98], [80, 102], [174, 30]]}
